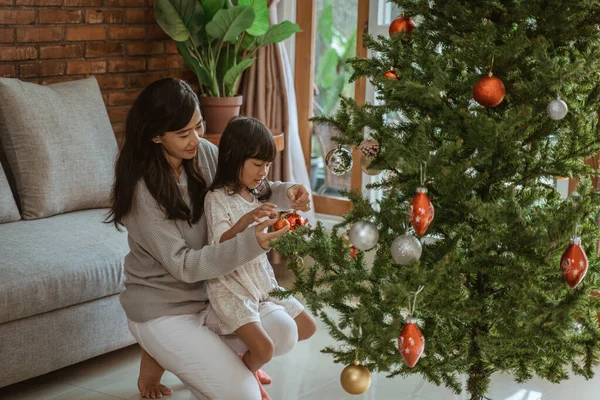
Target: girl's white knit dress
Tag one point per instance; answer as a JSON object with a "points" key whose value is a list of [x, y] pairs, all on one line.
{"points": [[242, 296]]}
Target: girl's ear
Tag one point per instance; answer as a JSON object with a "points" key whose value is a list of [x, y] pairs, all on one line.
{"points": [[156, 139]]}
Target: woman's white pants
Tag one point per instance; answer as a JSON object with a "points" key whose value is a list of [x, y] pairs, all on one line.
{"points": [[188, 346]]}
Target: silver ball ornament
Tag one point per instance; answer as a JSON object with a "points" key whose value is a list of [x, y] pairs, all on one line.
{"points": [[363, 235], [557, 109], [339, 161], [406, 249]]}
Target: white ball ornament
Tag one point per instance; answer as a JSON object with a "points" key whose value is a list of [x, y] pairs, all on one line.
{"points": [[363, 235], [557, 109], [406, 249]]}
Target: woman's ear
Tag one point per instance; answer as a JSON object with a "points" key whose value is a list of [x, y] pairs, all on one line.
{"points": [[156, 139]]}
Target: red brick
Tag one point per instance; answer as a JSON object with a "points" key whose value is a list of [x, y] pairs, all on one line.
{"points": [[68, 51], [131, 65], [105, 98], [38, 2], [6, 2], [118, 114], [14, 53], [84, 3], [156, 32], [119, 130], [6, 35], [126, 3], [103, 16], [127, 32], [53, 34], [122, 98], [144, 48], [171, 47], [143, 80], [140, 16], [168, 63], [86, 33], [105, 49], [86, 67], [17, 17], [111, 81], [60, 17], [44, 68], [7, 70]]}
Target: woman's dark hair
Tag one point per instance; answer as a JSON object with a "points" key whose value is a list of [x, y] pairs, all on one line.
{"points": [[164, 106], [243, 138]]}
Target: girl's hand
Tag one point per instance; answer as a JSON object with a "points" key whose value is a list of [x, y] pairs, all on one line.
{"points": [[265, 238], [264, 210], [299, 196]]}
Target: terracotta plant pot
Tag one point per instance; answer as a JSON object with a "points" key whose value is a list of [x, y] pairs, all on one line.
{"points": [[218, 111]]}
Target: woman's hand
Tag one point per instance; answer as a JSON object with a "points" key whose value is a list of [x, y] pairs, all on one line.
{"points": [[264, 238], [299, 196], [260, 212]]}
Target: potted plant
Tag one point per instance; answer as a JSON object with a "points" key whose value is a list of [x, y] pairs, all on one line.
{"points": [[218, 40]]}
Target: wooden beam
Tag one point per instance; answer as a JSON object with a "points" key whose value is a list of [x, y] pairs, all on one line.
{"points": [[304, 66]]}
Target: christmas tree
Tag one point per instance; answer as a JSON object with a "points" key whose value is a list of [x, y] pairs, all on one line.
{"points": [[470, 110]]}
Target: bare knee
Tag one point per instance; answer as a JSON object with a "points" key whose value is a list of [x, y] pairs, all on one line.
{"points": [[307, 326], [262, 350]]}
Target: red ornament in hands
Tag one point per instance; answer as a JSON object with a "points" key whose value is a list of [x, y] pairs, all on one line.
{"points": [[401, 24], [420, 211], [293, 218], [489, 91], [574, 263], [411, 343]]}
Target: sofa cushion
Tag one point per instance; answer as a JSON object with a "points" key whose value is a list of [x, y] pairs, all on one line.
{"points": [[59, 144], [59, 261], [8, 209]]}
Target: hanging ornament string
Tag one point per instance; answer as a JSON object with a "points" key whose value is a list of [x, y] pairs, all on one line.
{"points": [[578, 227], [414, 302], [423, 170], [490, 73]]}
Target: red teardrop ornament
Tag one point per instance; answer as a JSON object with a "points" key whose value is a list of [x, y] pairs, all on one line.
{"points": [[411, 343], [574, 263], [421, 212]]}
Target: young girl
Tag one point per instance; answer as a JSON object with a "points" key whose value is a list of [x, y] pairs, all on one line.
{"points": [[238, 199]]}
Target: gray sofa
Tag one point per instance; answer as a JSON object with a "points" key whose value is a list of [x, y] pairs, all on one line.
{"points": [[61, 267]]}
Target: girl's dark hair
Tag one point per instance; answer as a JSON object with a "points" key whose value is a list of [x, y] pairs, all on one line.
{"points": [[243, 138], [164, 106]]}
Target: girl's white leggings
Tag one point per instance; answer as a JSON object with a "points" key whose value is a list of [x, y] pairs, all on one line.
{"points": [[187, 346]]}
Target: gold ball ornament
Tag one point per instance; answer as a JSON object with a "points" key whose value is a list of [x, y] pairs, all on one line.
{"points": [[489, 91], [356, 378], [401, 24]]}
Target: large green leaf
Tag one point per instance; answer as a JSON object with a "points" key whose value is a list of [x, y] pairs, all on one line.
{"points": [[278, 33], [228, 24], [232, 76], [174, 17], [325, 25], [211, 7], [261, 20], [327, 70], [202, 73], [350, 50]]}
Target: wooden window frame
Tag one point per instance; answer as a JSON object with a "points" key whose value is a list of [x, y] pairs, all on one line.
{"points": [[304, 56]]}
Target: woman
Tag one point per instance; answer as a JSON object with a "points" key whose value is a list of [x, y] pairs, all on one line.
{"points": [[162, 174]]}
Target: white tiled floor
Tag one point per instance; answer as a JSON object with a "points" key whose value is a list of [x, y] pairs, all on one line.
{"points": [[303, 374]]}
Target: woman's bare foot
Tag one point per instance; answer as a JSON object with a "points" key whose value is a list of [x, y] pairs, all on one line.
{"points": [[149, 380]]}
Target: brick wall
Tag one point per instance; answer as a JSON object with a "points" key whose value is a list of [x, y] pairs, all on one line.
{"points": [[118, 41]]}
